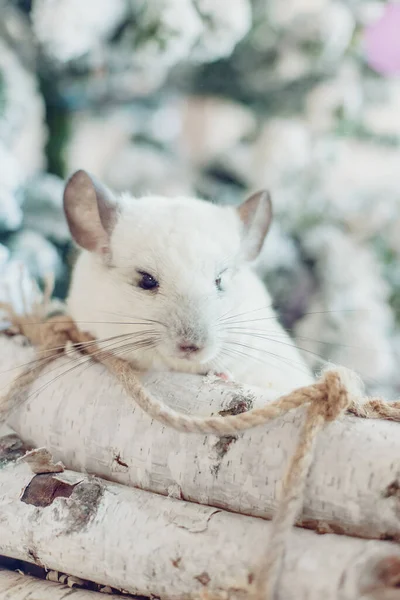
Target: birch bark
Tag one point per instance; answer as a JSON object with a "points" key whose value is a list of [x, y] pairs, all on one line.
{"points": [[14, 586], [84, 418], [148, 544]]}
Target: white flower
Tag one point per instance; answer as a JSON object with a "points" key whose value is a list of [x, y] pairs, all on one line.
{"points": [[225, 23], [68, 29], [382, 117], [165, 33], [282, 151], [22, 127], [343, 92], [16, 286], [43, 207], [284, 14], [10, 179], [212, 127], [326, 21], [349, 320], [34, 251], [359, 180]]}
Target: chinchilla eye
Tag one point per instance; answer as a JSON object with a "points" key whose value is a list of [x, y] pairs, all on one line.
{"points": [[218, 283], [147, 281]]}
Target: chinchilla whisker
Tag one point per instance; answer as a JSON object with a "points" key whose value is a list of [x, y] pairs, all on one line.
{"points": [[320, 358], [275, 341], [248, 312], [148, 345], [295, 346], [49, 353], [274, 334], [238, 353], [317, 312], [218, 363], [77, 358], [292, 363], [144, 320], [68, 321], [81, 361], [140, 345]]}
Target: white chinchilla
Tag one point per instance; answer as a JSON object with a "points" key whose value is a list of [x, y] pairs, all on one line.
{"points": [[168, 284]]}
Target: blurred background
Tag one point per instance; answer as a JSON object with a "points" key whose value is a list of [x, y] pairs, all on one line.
{"points": [[219, 98]]}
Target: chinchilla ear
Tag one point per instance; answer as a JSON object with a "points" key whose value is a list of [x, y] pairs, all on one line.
{"points": [[91, 211], [256, 216]]}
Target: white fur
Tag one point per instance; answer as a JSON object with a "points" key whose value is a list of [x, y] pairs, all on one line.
{"points": [[184, 243]]}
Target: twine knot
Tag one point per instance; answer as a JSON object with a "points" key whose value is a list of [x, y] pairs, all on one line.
{"points": [[335, 398]]}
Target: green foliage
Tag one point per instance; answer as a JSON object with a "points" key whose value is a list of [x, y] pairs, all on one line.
{"points": [[58, 125]]}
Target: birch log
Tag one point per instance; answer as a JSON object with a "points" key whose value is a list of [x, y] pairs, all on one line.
{"points": [[149, 544], [85, 419], [14, 586]]}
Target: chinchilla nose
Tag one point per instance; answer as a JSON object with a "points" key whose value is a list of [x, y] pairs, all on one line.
{"points": [[188, 347], [190, 329]]}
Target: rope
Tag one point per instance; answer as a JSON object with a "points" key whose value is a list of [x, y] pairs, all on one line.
{"points": [[326, 400]]}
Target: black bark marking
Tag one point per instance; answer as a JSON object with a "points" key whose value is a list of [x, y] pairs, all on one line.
{"points": [[177, 562], [203, 578], [83, 498], [34, 556], [223, 444], [119, 461], [83, 504], [239, 404], [221, 448], [43, 489], [392, 490]]}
